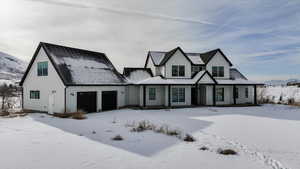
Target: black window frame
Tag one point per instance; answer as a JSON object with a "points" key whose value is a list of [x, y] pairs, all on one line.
{"points": [[236, 92], [218, 71], [34, 94], [178, 95], [220, 98], [152, 96], [178, 70], [246, 92], [42, 68]]}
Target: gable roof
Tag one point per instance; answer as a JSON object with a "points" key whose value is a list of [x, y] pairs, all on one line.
{"points": [[78, 67], [160, 58]]}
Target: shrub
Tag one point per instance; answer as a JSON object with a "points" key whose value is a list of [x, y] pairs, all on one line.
{"points": [[93, 132], [143, 126], [79, 116], [117, 138], [204, 148], [5, 113], [226, 151], [62, 115], [189, 138]]}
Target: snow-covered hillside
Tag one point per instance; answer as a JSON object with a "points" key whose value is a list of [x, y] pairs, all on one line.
{"points": [[11, 68]]}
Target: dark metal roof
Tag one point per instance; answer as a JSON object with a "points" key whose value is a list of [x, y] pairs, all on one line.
{"points": [[128, 70], [235, 74], [78, 66]]}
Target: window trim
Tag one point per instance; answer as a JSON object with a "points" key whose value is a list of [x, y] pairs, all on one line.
{"points": [[42, 68], [34, 94], [152, 96], [178, 71], [220, 98]]}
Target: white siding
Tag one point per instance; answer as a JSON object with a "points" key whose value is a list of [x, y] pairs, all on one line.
{"points": [[178, 59], [219, 60], [151, 66], [242, 99], [160, 96], [46, 85], [206, 79], [132, 95], [71, 94]]}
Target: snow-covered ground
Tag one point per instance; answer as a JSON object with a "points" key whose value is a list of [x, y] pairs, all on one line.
{"points": [[265, 137], [280, 94]]}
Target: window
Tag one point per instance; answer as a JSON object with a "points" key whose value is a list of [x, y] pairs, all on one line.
{"points": [[42, 69], [152, 94], [196, 69], [246, 92], [178, 95], [236, 92], [218, 71], [34, 94], [178, 70], [220, 94]]}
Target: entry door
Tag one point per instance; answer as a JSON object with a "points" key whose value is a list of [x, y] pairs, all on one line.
{"points": [[194, 96], [87, 101], [109, 100]]}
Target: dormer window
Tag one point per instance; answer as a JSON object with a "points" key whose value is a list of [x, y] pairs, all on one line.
{"points": [[218, 71], [178, 70], [42, 69]]}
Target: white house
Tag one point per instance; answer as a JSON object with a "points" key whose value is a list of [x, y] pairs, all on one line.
{"points": [[63, 79]]}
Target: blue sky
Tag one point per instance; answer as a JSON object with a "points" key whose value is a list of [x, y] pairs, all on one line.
{"points": [[261, 37]]}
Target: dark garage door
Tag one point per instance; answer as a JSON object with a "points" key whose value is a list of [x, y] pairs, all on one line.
{"points": [[87, 101], [109, 100]]}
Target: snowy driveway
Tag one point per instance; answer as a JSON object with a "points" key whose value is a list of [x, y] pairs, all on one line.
{"points": [[265, 137]]}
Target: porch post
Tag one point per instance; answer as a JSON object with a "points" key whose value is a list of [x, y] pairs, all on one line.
{"points": [[234, 94], [214, 95], [197, 92], [169, 95], [144, 95], [255, 94]]}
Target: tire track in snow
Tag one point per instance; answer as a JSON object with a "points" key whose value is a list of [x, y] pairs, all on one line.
{"points": [[258, 155]]}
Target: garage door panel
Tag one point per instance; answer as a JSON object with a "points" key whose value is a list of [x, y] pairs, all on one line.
{"points": [[87, 101], [109, 100]]}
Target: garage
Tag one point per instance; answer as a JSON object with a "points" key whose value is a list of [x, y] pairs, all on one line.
{"points": [[87, 101], [109, 100]]}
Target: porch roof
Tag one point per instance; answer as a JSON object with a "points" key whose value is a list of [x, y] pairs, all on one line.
{"points": [[165, 81]]}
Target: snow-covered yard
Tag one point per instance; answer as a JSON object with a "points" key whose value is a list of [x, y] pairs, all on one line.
{"points": [[265, 137]]}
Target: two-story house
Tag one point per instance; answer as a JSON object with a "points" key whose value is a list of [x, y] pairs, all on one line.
{"points": [[63, 79]]}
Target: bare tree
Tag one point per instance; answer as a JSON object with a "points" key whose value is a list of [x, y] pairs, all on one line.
{"points": [[6, 94]]}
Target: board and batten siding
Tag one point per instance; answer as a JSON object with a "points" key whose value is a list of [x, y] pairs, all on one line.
{"points": [[178, 59], [51, 84], [219, 60], [71, 95]]}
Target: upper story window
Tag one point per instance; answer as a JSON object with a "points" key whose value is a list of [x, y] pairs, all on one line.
{"points": [[178, 70], [42, 69], [196, 69], [152, 94], [218, 71], [34, 94]]}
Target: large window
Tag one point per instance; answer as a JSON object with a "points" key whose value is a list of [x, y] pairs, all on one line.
{"points": [[220, 94], [178, 70], [218, 71], [152, 94], [178, 95], [42, 69], [34, 94], [247, 92]]}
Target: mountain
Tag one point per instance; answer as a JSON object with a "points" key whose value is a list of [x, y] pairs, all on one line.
{"points": [[11, 68], [280, 82]]}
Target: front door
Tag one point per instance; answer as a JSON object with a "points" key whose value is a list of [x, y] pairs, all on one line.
{"points": [[194, 96], [51, 103], [87, 101]]}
